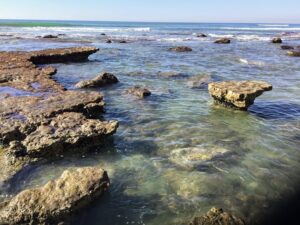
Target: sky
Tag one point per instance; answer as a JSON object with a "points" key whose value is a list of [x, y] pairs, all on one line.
{"points": [[268, 11]]}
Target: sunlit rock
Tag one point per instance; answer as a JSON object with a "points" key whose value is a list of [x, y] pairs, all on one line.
{"points": [[238, 94], [277, 40], [223, 41], [294, 53], [181, 49], [139, 92], [217, 216], [53, 202], [99, 81]]}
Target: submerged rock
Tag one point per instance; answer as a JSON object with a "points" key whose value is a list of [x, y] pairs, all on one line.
{"points": [[223, 41], [181, 49], [294, 53], [277, 40], [238, 94], [199, 81], [172, 74], [193, 157], [99, 81], [139, 91], [217, 216], [57, 199], [286, 47]]}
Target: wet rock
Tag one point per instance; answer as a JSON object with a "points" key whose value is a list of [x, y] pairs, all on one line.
{"points": [[286, 47], [172, 74], [199, 81], [193, 157], [181, 49], [122, 42], [103, 34], [99, 81], [223, 41], [294, 53], [238, 94], [277, 40], [57, 199], [139, 91], [50, 36], [62, 55], [109, 41], [217, 216], [201, 35]]}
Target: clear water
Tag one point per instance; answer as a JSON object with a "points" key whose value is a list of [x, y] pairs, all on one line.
{"points": [[149, 186]]}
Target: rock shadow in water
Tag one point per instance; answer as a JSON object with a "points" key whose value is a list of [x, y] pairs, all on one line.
{"points": [[276, 110]]}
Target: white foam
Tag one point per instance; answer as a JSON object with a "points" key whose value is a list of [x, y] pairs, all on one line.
{"points": [[262, 28], [273, 25], [252, 62]]}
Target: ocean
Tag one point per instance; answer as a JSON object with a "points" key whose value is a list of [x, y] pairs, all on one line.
{"points": [[153, 182]]}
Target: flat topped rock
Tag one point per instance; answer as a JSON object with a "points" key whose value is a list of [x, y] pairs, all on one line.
{"points": [[61, 55], [223, 41], [181, 49], [53, 202], [216, 216], [294, 53], [238, 94], [99, 81]]}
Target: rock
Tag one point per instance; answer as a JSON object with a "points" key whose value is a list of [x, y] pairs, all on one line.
{"points": [[217, 216], [40, 119], [139, 91], [181, 49], [56, 200], [109, 41], [199, 81], [50, 36], [201, 35], [103, 34], [193, 157], [238, 94], [99, 81], [62, 55], [294, 53], [277, 40], [286, 47], [223, 41], [122, 42], [172, 74]]}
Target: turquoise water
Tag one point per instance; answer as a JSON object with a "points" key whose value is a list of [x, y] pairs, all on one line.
{"points": [[248, 160]]}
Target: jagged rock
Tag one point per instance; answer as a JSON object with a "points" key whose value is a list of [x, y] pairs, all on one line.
{"points": [[50, 36], [200, 81], [217, 216], [99, 81], [223, 41], [294, 53], [277, 40], [181, 49], [238, 94], [286, 47], [62, 55], [56, 200], [139, 91], [201, 35]]}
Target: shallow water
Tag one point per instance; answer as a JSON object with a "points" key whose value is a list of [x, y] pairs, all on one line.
{"points": [[260, 163]]}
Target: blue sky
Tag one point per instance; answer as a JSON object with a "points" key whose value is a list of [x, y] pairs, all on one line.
{"points": [[272, 11]]}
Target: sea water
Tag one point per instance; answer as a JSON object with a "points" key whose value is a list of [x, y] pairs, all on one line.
{"points": [[152, 180]]}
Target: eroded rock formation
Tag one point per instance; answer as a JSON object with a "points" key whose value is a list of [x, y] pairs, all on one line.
{"points": [[139, 92], [99, 81], [53, 202], [238, 94]]}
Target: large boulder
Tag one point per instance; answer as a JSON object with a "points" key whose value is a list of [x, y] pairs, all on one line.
{"points": [[238, 94], [56, 200], [138, 91], [223, 41], [217, 216], [276, 40], [99, 81], [181, 49], [294, 53]]}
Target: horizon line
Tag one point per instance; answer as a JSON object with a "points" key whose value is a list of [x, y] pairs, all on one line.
{"points": [[135, 21]]}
